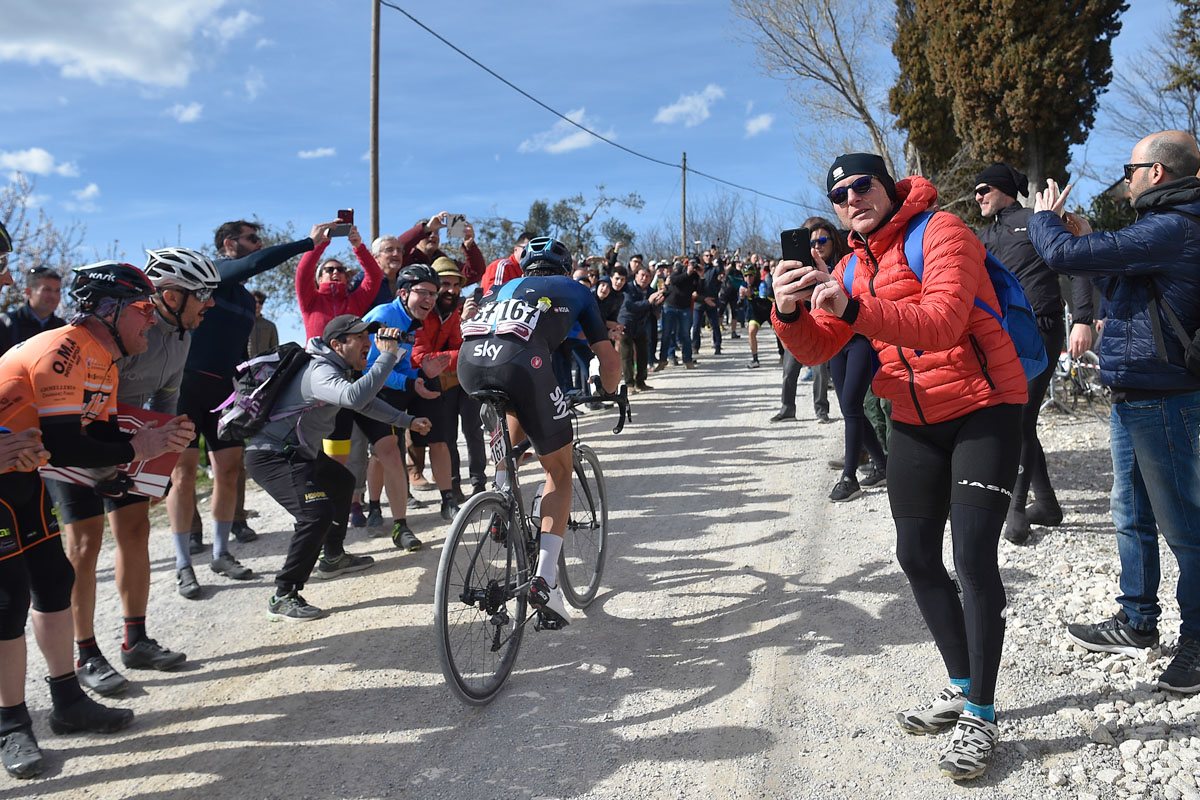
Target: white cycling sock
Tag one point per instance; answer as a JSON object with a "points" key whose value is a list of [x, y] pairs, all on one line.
{"points": [[548, 558]]}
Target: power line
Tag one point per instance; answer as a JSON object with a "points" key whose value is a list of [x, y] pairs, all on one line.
{"points": [[565, 118]]}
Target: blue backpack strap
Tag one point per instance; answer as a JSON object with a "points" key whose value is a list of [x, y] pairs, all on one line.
{"points": [[914, 243], [848, 273]]}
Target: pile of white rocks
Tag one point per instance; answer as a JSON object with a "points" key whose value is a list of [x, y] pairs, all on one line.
{"points": [[1096, 724]]}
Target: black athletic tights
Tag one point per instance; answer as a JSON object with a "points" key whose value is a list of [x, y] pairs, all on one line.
{"points": [[964, 469], [852, 369]]}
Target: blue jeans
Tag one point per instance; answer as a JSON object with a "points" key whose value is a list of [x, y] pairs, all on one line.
{"points": [[1156, 486], [699, 312], [676, 329]]}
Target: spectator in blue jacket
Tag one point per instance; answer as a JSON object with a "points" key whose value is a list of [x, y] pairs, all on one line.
{"points": [[1148, 276]]}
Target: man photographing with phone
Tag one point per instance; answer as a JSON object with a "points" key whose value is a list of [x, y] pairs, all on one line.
{"points": [[421, 244]]}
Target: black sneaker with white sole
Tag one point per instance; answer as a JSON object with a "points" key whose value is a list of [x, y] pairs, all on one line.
{"points": [[1114, 635], [344, 563], [292, 608], [846, 489], [1183, 675]]}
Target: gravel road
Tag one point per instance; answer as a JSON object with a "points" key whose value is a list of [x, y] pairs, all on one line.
{"points": [[751, 640]]}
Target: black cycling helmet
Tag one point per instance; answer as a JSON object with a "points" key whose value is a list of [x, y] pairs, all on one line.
{"points": [[546, 254], [417, 273], [106, 288]]}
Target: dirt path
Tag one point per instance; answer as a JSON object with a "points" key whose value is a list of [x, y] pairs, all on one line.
{"points": [[750, 640]]}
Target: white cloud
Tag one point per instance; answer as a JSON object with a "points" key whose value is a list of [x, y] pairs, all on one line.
{"points": [[235, 26], [84, 199], [749, 107], [255, 82], [564, 137], [144, 41], [320, 152], [33, 200], [760, 124], [263, 42], [690, 109], [188, 113], [36, 161]]}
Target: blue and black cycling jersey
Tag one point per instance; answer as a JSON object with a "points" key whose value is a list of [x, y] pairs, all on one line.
{"points": [[539, 310]]}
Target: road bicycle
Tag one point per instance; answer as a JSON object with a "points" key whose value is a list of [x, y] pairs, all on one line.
{"points": [[491, 553], [1076, 382]]}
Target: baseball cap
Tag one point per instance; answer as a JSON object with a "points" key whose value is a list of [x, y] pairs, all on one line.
{"points": [[345, 325]]}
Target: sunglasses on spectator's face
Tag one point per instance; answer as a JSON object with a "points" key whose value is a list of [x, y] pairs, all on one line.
{"points": [[1132, 168], [819, 241], [982, 189], [332, 269], [861, 186]]}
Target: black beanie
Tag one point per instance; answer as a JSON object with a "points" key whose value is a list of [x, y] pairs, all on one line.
{"points": [[1003, 177], [861, 164]]}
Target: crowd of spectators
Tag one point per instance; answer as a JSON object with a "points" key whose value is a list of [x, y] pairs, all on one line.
{"points": [[933, 400]]}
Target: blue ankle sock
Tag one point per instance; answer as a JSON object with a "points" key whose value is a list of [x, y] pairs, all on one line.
{"points": [[962, 683], [183, 555], [221, 531], [987, 712]]}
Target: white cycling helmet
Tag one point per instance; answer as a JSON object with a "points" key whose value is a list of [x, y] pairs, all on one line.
{"points": [[179, 267]]}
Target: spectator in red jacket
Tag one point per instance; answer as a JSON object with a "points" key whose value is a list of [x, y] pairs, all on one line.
{"points": [[325, 293], [507, 268], [422, 245], [957, 388]]}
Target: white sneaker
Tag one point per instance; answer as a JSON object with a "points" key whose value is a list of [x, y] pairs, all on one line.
{"points": [[549, 601], [942, 711], [971, 748]]}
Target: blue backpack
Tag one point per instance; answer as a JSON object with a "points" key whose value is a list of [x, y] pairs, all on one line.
{"points": [[1015, 314]]}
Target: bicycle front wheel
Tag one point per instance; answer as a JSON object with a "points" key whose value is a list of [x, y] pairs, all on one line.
{"points": [[1098, 395], [479, 615], [581, 560]]}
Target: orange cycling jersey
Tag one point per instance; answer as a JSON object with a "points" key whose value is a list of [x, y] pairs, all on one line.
{"points": [[63, 372]]}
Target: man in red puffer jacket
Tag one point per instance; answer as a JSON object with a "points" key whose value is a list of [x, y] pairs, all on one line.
{"points": [[957, 388]]}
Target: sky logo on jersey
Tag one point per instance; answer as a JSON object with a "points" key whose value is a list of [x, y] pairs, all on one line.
{"points": [[487, 350], [560, 403]]}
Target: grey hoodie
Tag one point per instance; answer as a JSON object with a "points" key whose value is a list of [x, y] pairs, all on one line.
{"points": [[309, 405]]}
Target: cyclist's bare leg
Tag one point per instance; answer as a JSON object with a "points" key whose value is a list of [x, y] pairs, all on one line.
{"points": [[439, 458]]}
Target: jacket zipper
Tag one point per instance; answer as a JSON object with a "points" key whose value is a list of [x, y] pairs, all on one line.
{"points": [[981, 357], [912, 385]]}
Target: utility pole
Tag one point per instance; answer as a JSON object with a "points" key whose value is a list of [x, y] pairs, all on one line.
{"points": [[683, 211], [375, 120]]}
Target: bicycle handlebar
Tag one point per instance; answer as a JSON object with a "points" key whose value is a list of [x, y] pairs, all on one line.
{"points": [[620, 397]]}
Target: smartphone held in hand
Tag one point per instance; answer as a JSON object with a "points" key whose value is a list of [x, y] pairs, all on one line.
{"points": [[456, 226], [346, 215], [795, 246]]}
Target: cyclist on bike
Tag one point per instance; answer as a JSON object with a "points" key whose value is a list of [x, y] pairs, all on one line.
{"points": [[507, 347]]}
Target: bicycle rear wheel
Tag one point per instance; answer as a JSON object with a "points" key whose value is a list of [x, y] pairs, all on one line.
{"points": [[479, 615], [1098, 395], [581, 560]]}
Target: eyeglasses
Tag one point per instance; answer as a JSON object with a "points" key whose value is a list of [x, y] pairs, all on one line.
{"points": [[144, 307], [252, 236], [204, 295], [982, 189], [819, 241], [1132, 168], [337, 268], [861, 186], [423, 293]]}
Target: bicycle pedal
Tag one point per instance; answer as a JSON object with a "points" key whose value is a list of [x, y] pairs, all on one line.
{"points": [[543, 622]]}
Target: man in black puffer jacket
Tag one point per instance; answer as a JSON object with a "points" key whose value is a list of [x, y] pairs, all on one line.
{"points": [[1149, 274], [996, 191]]}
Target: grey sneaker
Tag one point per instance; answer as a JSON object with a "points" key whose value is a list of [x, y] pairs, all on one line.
{"points": [[149, 654], [292, 608], [339, 566], [970, 749], [99, 676], [940, 712], [374, 517], [225, 564], [186, 583]]}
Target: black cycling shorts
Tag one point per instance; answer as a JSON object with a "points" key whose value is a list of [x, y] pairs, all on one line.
{"points": [[442, 412], [74, 502], [375, 430], [525, 375], [199, 394], [26, 518]]}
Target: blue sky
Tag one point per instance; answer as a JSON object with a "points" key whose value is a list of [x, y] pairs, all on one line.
{"points": [[152, 122]]}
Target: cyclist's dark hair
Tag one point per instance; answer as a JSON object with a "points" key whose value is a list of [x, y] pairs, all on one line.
{"points": [[526, 237], [230, 230]]}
